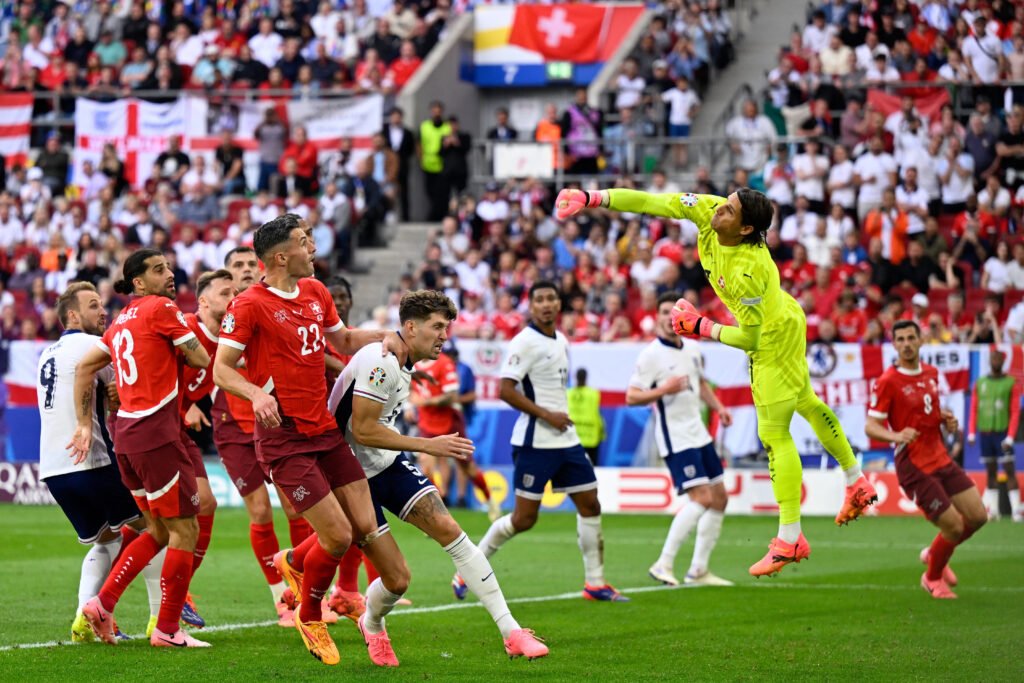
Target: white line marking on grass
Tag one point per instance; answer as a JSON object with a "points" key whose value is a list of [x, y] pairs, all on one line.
{"points": [[572, 595]]}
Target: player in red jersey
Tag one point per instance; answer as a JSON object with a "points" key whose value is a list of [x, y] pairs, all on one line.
{"points": [[233, 428], [439, 414], [906, 398], [145, 341], [283, 324]]}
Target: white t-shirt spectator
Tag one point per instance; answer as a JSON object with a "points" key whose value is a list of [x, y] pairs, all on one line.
{"points": [[681, 104], [329, 205], [12, 231], [888, 75], [845, 197], [260, 216], [958, 188], [797, 228], [753, 137], [192, 179], [984, 56], [816, 39], [1000, 201], [838, 227], [906, 200], [819, 249], [474, 279], [866, 56], [778, 185], [489, 211], [629, 91], [1015, 275], [215, 252], [189, 51], [266, 48], [927, 175], [812, 187], [874, 170], [998, 274], [960, 74], [644, 274], [190, 255], [1015, 324], [779, 85], [38, 57]]}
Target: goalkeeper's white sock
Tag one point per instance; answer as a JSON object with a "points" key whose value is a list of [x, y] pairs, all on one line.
{"points": [[682, 525], [789, 533], [95, 568], [588, 531], [379, 603], [852, 474], [151, 575], [476, 571], [708, 529], [499, 534]]}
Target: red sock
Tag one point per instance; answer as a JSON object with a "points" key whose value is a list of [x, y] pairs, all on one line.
{"points": [[264, 544], [128, 534], [174, 580], [968, 532], [133, 560], [316, 579], [348, 574], [371, 571], [938, 557], [299, 530], [481, 485], [203, 542], [300, 551]]}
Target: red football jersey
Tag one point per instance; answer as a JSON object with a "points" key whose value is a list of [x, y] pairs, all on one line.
{"points": [[851, 326], [437, 420], [232, 417], [282, 335], [199, 381], [141, 342], [911, 399]]}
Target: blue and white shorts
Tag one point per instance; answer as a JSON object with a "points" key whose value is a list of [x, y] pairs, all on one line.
{"points": [[397, 489], [94, 501], [695, 467], [568, 469]]}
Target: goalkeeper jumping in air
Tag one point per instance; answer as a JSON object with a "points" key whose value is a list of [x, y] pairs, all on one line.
{"points": [[772, 330]]}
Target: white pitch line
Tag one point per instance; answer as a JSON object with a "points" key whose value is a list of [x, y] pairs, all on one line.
{"points": [[573, 595]]}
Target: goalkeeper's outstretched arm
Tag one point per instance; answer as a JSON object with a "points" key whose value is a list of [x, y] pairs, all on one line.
{"points": [[687, 320], [696, 207]]}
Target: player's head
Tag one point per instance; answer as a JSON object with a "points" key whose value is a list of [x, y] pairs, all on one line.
{"points": [[80, 308], [665, 304], [545, 302], [581, 377], [244, 267], [906, 337], [341, 292], [996, 360], [146, 272], [215, 290], [744, 218], [425, 315], [286, 244]]}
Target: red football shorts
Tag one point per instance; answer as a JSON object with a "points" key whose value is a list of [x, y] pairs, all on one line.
{"points": [[245, 470], [162, 480], [308, 469], [194, 454], [931, 491]]}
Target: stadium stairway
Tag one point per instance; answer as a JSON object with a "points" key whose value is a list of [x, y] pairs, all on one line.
{"points": [[387, 264], [756, 52]]}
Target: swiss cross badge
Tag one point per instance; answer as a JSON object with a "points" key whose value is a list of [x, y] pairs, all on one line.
{"points": [[315, 307], [280, 315], [721, 282]]}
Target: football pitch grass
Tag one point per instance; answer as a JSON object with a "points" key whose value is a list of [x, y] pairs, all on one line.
{"points": [[854, 611]]}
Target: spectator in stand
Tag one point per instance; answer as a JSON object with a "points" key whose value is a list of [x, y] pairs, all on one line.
{"points": [[433, 131], [198, 177], [779, 178], [820, 245], [581, 129], [304, 154], [646, 270], [202, 207], [982, 52], [933, 241], [980, 144], [456, 146], [801, 224], [629, 85], [995, 275], [751, 135], [54, 162], [912, 201], [811, 168], [986, 328], [173, 163], [1014, 269], [369, 202], [266, 45], [502, 130], [230, 168], [918, 270], [851, 322], [873, 172], [837, 59], [403, 144], [1010, 149]]}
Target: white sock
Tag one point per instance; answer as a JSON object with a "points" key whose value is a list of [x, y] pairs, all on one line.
{"points": [[588, 533], [991, 500], [499, 533], [151, 574], [852, 475], [379, 603], [789, 532], [95, 568], [476, 571], [277, 590], [682, 524], [708, 529], [1014, 495]]}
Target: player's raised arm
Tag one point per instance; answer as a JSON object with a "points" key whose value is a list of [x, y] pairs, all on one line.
{"points": [[696, 207], [369, 431], [94, 360]]}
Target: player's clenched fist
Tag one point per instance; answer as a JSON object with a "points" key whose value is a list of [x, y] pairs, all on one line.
{"points": [[571, 202], [451, 446], [687, 321]]}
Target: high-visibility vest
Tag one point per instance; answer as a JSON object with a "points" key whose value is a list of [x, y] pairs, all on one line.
{"points": [[585, 413], [550, 132], [430, 144]]}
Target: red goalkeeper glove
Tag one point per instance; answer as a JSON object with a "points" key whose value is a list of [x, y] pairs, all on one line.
{"points": [[571, 202], [687, 321]]}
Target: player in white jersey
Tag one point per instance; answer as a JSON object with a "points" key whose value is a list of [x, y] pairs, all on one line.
{"points": [[90, 493], [669, 375], [545, 446], [365, 400]]}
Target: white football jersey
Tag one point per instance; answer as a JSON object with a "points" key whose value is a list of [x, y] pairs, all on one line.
{"points": [[677, 420], [55, 389], [379, 379], [540, 364]]}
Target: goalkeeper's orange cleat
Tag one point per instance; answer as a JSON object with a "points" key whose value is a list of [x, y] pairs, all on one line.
{"points": [[779, 555], [859, 496]]}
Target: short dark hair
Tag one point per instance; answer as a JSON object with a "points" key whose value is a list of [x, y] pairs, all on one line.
{"points": [[273, 233], [134, 266], [670, 297], [757, 212], [207, 278], [238, 250], [904, 324], [542, 284], [339, 281], [422, 303], [68, 301]]}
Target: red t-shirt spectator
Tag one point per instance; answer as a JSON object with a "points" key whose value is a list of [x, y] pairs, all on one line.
{"points": [[800, 275], [305, 158], [988, 225], [851, 326], [507, 325], [402, 70]]}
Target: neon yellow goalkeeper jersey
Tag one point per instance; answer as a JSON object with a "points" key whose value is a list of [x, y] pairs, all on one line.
{"points": [[746, 279]]}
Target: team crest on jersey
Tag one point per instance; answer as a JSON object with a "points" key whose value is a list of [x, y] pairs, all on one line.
{"points": [[300, 493], [528, 480], [377, 377], [315, 307], [689, 199], [281, 315], [181, 319], [228, 324]]}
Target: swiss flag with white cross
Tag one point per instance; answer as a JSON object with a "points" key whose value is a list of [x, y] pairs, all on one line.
{"points": [[561, 32]]}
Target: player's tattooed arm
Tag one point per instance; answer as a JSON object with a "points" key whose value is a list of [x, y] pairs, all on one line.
{"points": [[94, 360], [194, 353]]}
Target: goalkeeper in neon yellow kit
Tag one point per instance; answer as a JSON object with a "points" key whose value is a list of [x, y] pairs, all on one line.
{"points": [[772, 330]]}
